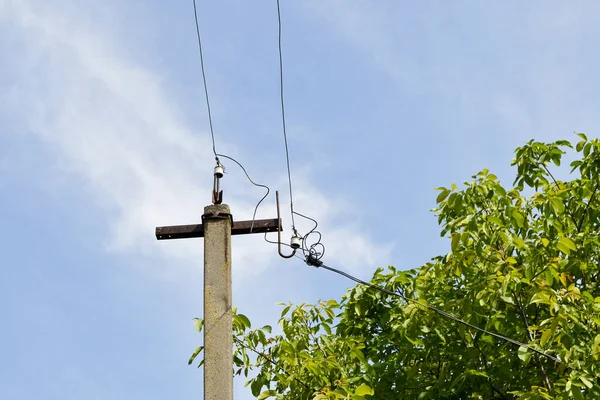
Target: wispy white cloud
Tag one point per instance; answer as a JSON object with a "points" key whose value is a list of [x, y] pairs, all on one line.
{"points": [[512, 61], [113, 123]]}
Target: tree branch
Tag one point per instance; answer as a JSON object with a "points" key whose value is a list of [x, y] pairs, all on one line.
{"points": [[494, 388], [540, 365], [263, 355], [558, 187], [586, 208]]}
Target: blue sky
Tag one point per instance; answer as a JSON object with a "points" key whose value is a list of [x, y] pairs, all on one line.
{"points": [[103, 136]]}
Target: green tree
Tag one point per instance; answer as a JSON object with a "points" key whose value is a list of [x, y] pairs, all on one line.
{"points": [[524, 263]]}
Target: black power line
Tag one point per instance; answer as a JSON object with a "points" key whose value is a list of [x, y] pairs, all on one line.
{"points": [[319, 264], [252, 182], [287, 152], [312, 248], [212, 134]]}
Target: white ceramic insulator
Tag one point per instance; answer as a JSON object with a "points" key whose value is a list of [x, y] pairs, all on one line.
{"points": [[295, 242]]}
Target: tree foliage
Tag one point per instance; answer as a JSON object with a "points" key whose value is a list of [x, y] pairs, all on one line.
{"points": [[524, 262]]}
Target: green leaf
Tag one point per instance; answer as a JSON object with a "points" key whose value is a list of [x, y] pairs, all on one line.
{"points": [[524, 354], [545, 336], [518, 242], [545, 242], [364, 390], [586, 382], [519, 218], [576, 392], [266, 394], [511, 260], [455, 242], [356, 353], [566, 245], [312, 367], [360, 309], [474, 372], [194, 354], [495, 220], [500, 190], [556, 160], [442, 196], [245, 320], [557, 205], [198, 324]]}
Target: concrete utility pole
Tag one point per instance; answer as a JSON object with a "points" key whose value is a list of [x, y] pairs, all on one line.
{"points": [[217, 228], [218, 361]]}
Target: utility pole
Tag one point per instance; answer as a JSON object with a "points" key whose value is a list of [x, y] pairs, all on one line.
{"points": [[217, 228], [218, 341]]}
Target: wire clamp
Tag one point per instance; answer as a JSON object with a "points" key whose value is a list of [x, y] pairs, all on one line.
{"points": [[313, 261]]}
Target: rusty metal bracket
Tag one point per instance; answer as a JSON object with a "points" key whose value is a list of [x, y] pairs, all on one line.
{"points": [[197, 230], [217, 195], [219, 215], [217, 198], [279, 231]]}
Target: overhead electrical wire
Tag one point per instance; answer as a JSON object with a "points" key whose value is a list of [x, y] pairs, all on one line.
{"points": [[281, 97], [251, 181], [320, 264], [315, 249], [307, 249], [210, 123], [212, 133]]}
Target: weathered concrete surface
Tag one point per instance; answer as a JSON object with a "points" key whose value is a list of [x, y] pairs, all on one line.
{"points": [[218, 340]]}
